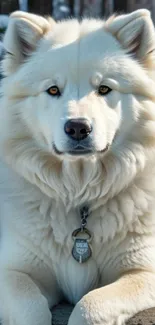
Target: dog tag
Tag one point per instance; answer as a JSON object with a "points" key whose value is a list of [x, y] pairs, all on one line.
{"points": [[81, 250]]}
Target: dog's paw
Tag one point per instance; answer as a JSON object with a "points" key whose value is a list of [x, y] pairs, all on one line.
{"points": [[87, 312], [90, 311]]}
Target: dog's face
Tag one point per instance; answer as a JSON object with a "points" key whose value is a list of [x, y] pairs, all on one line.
{"points": [[76, 102], [74, 83], [81, 99]]}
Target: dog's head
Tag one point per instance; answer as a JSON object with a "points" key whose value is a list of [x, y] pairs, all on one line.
{"points": [[77, 89]]}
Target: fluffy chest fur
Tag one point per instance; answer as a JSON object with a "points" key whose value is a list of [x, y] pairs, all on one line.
{"points": [[44, 227]]}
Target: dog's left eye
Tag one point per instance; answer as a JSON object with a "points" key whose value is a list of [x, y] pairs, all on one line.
{"points": [[53, 91], [104, 90]]}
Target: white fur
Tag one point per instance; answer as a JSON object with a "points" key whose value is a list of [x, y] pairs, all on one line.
{"points": [[42, 192]]}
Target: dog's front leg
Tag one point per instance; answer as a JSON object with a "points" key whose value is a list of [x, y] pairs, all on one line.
{"points": [[114, 304], [21, 300]]}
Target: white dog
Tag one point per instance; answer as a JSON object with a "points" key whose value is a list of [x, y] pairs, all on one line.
{"points": [[77, 189]]}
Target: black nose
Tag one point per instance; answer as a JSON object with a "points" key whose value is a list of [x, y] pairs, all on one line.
{"points": [[78, 129]]}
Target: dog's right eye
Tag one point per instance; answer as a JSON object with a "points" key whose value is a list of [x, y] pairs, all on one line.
{"points": [[104, 90], [54, 91]]}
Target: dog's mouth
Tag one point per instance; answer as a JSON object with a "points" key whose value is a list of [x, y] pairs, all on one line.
{"points": [[80, 150]]}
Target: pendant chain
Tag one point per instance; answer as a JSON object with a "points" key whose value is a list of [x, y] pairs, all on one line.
{"points": [[84, 215]]}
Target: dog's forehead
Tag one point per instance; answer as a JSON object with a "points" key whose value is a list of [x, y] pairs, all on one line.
{"points": [[84, 40], [80, 51]]}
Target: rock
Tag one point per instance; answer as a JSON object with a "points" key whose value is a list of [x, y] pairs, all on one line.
{"points": [[146, 317], [62, 312]]}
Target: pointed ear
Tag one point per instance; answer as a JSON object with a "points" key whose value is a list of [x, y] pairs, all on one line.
{"points": [[135, 32], [21, 38]]}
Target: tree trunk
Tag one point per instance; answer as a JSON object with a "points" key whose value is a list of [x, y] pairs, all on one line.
{"points": [[81, 7], [71, 6], [120, 5], [42, 7], [7, 6]]}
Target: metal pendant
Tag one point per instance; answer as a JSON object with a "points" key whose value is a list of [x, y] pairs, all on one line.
{"points": [[81, 250]]}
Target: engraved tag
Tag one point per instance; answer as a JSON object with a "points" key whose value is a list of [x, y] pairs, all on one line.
{"points": [[81, 250]]}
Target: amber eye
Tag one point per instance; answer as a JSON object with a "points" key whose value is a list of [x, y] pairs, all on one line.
{"points": [[104, 90], [54, 91]]}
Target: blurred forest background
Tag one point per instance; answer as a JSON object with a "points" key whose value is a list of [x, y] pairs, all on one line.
{"points": [[60, 9]]}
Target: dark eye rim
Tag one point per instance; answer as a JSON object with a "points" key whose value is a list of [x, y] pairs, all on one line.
{"points": [[104, 94], [58, 94]]}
